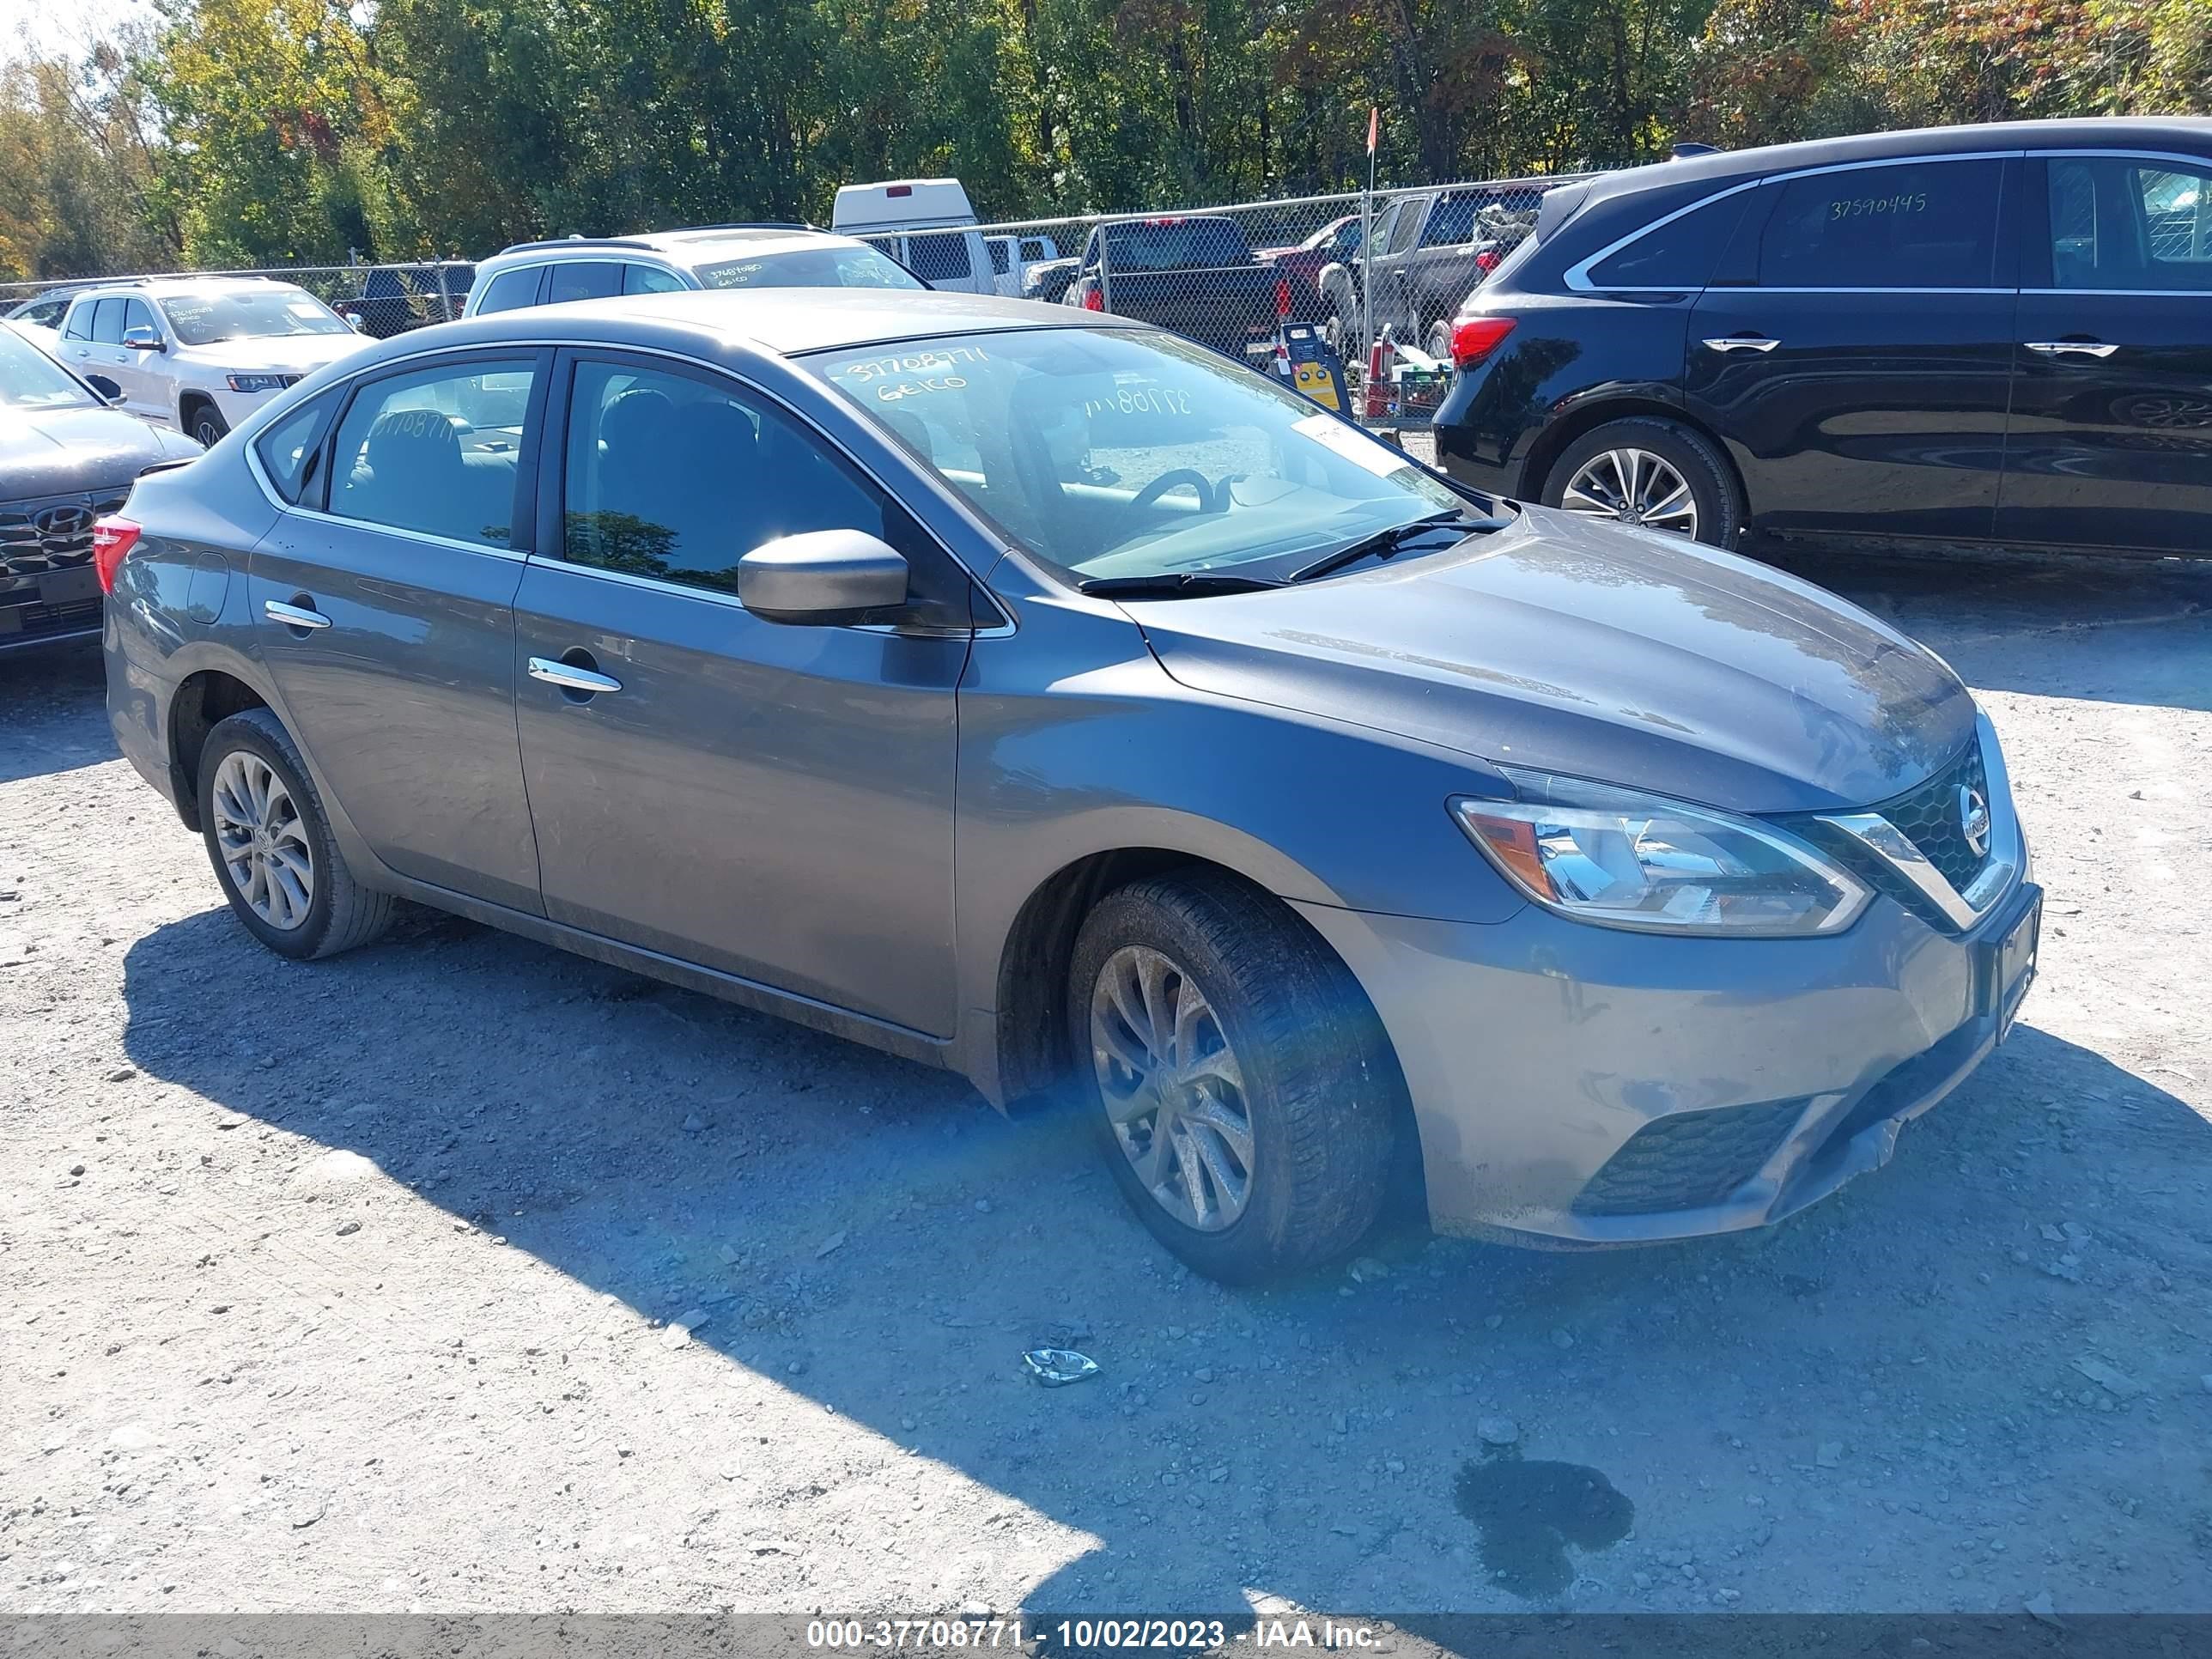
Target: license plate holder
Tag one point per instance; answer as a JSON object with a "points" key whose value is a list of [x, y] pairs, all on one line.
{"points": [[2008, 968]]}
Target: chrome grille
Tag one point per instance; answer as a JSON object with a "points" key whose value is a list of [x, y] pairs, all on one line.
{"points": [[1928, 816]]}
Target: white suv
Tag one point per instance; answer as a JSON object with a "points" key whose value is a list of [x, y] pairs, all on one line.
{"points": [[669, 261], [200, 352]]}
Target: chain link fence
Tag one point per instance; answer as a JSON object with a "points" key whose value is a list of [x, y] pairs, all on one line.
{"points": [[380, 301], [1393, 269]]}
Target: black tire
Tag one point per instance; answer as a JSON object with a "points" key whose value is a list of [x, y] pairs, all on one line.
{"points": [[340, 914], [206, 426], [1439, 342], [1712, 481], [1321, 1084]]}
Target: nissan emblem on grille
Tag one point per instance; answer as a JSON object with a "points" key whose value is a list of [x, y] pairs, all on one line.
{"points": [[1974, 819], [61, 527]]}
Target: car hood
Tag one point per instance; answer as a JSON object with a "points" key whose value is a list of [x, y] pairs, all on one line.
{"points": [[1576, 648], [282, 354], [59, 451]]}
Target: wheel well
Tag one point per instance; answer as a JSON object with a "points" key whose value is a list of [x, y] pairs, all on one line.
{"points": [[1544, 454], [189, 404], [201, 701]]}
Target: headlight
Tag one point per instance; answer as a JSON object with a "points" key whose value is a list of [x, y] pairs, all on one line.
{"points": [[1623, 858], [255, 382]]}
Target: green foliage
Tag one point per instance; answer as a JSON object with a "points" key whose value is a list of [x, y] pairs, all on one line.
{"points": [[260, 132]]}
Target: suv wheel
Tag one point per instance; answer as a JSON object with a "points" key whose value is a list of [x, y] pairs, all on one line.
{"points": [[1245, 1091], [207, 426], [1653, 472], [272, 847]]}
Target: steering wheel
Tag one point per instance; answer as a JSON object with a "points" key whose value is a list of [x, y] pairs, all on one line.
{"points": [[1170, 480]]}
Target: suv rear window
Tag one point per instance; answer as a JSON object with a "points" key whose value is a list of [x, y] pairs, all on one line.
{"points": [[1675, 254], [1918, 224]]}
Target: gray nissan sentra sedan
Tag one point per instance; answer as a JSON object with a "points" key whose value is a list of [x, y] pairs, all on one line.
{"points": [[1037, 695]]}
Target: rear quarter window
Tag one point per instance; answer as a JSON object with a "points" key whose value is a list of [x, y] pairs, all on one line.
{"points": [[511, 290], [1680, 252]]}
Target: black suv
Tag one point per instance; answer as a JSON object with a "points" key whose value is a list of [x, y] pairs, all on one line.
{"points": [[1998, 333]]}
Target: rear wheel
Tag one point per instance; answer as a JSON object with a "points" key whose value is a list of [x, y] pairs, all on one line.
{"points": [[206, 425], [271, 843], [1649, 472], [1244, 1092]]}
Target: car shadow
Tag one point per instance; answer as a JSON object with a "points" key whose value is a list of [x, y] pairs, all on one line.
{"points": [[869, 1234], [43, 697], [2105, 630]]}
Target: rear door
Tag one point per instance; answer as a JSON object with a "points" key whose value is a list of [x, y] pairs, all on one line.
{"points": [[1855, 349], [773, 802], [2110, 437], [383, 602]]}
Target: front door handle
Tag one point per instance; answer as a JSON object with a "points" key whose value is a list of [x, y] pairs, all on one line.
{"points": [[570, 678], [2060, 347], [293, 616], [1742, 343]]}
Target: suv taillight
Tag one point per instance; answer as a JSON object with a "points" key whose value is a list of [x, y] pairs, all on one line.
{"points": [[111, 542], [1473, 338], [1092, 299]]}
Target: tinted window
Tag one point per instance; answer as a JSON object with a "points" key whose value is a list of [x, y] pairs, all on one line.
{"points": [[434, 451], [583, 279], [1680, 253], [650, 279], [1407, 229], [2121, 223], [1451, 223], [511, 290], [108, 323], [1000, 263], [288, 451], [941, 259], [1920, 224], [80, 322], [678, 478], [136, 313], [1177, 245]]}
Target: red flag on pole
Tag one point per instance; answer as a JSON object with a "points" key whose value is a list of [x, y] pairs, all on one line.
{"points": [[1373, 127]]}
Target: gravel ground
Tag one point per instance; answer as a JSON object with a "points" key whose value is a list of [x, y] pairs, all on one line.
{"points": [[460, 1274]]}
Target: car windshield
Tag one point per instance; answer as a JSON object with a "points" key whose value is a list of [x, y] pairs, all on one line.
{"points": [[812, 267], [203, 319], [1115, 453], [31, 380]]}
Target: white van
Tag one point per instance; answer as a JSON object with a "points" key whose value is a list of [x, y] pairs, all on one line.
{"points": [[926, 224]]}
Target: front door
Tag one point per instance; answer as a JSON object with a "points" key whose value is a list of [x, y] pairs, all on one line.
{"points": [[770, 801], [1855, 350], [384, 607], [2111, 441], [140, 372]]}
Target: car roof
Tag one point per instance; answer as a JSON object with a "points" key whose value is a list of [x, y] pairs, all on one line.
{"points": [[685, 246], [1729, 166]]}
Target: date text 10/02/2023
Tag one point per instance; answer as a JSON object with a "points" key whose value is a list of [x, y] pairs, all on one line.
{"points": [[1136, 1635]]}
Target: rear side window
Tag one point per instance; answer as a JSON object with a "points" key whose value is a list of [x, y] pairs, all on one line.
{"points": [[434, 451], [584, 279], [290, 450], [1918, 224], [1407, 230], [108, 323], [511, 290], [2120, 222], [1677, 253], [938, 258], [650, 279]]}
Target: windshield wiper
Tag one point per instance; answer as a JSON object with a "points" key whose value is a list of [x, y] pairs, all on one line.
{"points": [[1385, 543], [1172, 584]]}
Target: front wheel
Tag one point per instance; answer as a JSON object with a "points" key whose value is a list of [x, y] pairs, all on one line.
{"points": [[1645, 471], [1244, 1093]]}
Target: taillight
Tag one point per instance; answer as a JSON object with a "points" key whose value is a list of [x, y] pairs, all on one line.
{"points": [[1282, 296], [1473, 338], [1488, 259], [111, 542], [1092, 299]]}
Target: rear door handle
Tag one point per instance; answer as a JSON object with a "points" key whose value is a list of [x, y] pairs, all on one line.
{"points": [[293, 615], [1742, 343], [2060, 347], [570, 678]]}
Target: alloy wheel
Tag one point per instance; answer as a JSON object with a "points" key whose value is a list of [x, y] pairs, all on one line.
{"points": [[262, 840], [1633, 486], [1172, 1087]]}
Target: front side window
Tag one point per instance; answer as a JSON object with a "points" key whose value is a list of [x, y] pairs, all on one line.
{"points": [[290, 449], [434, 451], [938, 258], [136, 313], [583, 279], [267, 313], [31, 380], [511, 290], [1918, 224], [1113, 452], [812, 267], [1679, 254], [2120, 222]]}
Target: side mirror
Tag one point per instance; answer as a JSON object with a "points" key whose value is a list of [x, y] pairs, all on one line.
{"points": [[355, 321], [142, 339], [109, 391], [823, 579]]}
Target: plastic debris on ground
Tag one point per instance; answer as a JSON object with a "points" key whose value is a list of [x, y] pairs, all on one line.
{"points": [[1056, 1368]]}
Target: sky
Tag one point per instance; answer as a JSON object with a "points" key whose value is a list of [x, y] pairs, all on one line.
{"points": [[51, 26]]}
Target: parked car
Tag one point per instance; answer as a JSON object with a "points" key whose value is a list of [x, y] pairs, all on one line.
{"points": [[1042, 696], [44, 312], [927, 225], [67, 455], [1014, 259], [1049, 283], [200, 352], [1335, 243], [396, 298], [1432, 249], [1192, 273], [1974, 334], [670, 261]]}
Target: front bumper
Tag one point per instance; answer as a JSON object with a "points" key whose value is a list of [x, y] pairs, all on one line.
{"points": [[1575, 1085]]}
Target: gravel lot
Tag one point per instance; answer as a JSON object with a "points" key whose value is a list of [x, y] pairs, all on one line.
{"points": [[351, 1286]]}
